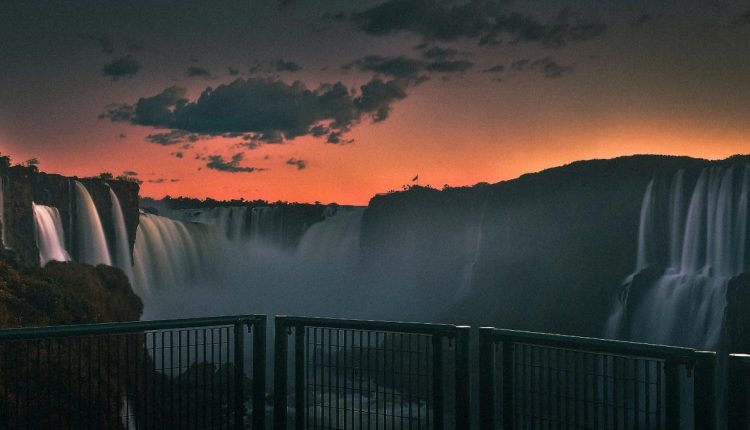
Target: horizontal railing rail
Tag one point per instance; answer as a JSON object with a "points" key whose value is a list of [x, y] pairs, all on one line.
{"points": [[545, 380], [185, 373], [369, 374]]}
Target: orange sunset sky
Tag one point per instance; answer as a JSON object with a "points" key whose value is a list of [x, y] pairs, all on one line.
{"points": [[511, 89]]}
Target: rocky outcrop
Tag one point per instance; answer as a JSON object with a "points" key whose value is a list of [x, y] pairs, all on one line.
{"points": [[23, 185], [547, 251]]}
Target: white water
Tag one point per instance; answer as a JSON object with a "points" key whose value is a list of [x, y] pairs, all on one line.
{"points": [[705, 247], [49, 235], [122, 244], [189, 268], [92, 244]]}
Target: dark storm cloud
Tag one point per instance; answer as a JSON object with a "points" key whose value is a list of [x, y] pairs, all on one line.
{"points": [[124, 67], [484, 21], [198, 72], [407, 68], [299, 164], [217, 162], [178, 154], [286, 66], [269, 109]]}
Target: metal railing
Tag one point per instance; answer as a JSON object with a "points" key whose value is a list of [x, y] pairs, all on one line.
{"points": [[174, 374], [739, 392], [354, 374], [533, 380]]}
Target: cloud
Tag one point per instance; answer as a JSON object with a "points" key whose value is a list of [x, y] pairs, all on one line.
{"points": [[743, 19], [102, 40], [198, 72], [299, 164], [121, 136], [172, 138], [449, 66], [397, 67], [642, 20], [483, 21], [403, 67], [286, 66], [217, 162], [129, 173], [232, 71], [178, 154], [494, 69], [438, 53], [551, 69], [124, 67], [162, 181], [268, 109]]}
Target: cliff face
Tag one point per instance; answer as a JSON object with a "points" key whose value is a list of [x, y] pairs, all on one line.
{"points": [[547, 251], [24, 185]]}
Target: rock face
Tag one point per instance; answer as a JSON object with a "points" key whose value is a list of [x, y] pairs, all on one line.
{"points": [[737, 317], [23, 185], [547, 251]]}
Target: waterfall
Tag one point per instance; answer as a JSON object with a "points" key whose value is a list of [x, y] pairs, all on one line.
{"points": [[232, 221], [335, 240], [92, 244], [170, 254], [122, 244], [706, 247], [49, 234]]}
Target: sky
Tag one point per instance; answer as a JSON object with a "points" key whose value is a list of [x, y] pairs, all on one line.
{"points": [[335, 100]]}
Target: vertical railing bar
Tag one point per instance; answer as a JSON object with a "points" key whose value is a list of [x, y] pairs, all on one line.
{"points": [[361, 379], [280, 374], [672, 394], [299, 376], [463, 390], [259, 373], [437, 382], [704, 394], [509, 364]]}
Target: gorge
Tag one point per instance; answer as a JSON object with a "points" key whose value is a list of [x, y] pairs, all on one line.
{"points": [[615, 247]]}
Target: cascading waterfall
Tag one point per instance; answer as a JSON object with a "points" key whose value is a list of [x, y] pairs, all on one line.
{"points": [[700, 251], [92, 244], [122, 244], [49, 235], [335, 240], [232, 221], [171, 253]]}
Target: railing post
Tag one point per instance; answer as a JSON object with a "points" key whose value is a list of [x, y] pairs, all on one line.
{"points": [[508, 385], [437, 382], [704, 393], [463, 391], [738, 392], [299, 376], [239, 376], [259, 374], [280, 373], [486, 380], [672, 394]]}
